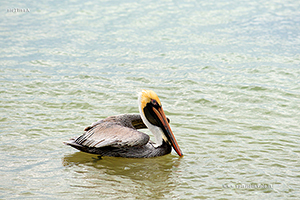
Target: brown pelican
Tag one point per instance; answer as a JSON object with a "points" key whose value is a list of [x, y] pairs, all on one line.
{"points": [[118, 135]]}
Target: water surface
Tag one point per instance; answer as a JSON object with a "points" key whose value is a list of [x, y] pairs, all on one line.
{"points": [[227, 74]]}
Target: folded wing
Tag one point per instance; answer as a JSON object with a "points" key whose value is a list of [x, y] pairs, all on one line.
{"points": [[113, 132]]}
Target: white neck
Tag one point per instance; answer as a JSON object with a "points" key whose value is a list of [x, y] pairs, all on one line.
{"points": [[156, 131]]}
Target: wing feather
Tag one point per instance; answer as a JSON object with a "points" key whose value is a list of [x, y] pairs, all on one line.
{"points": [[112, 134]]}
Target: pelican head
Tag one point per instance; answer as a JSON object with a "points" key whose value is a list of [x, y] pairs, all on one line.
{"points": [[155, 119]]}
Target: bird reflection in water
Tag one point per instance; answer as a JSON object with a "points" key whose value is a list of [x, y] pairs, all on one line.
{"points": [[155, 177]]}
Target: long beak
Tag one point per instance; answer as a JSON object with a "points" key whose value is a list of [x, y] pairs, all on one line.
{"points": [[167, 129]]}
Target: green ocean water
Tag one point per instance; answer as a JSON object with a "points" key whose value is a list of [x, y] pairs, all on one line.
{"points": [[227, 74]]}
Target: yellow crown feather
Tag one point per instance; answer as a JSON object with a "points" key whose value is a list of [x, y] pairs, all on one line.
{"points": [[147, 96]]}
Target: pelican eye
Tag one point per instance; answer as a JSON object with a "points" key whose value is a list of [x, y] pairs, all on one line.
{"points": [[154, 102]]}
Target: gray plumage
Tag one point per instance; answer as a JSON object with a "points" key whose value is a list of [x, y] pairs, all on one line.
{"points": [[118, 136]]}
